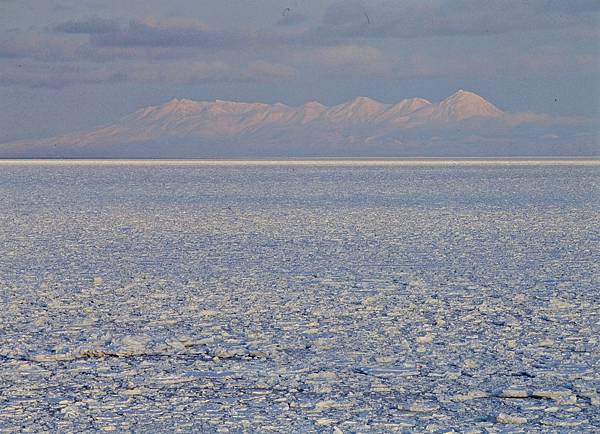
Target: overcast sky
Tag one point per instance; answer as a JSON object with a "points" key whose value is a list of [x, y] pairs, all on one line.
{"points": [[74, 64]]}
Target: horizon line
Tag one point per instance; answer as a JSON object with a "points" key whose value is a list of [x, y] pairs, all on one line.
{"points": [[320, 161]]}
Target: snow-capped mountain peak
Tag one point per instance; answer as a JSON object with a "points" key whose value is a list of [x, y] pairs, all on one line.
{"points": [[405, 107], [459, 106], [463, 105], [360, 109], [360, 122]]}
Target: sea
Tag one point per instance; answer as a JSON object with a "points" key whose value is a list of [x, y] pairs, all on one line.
{"points": [[334, 296]]}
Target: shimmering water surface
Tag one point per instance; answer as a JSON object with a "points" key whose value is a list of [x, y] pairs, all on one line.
{"points": [[300, 297]]}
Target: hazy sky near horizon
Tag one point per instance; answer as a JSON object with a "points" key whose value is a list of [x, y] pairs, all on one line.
{"points": [[74, 64]]}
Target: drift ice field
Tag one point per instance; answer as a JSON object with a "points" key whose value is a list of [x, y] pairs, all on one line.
{"points": [[313, 297]]}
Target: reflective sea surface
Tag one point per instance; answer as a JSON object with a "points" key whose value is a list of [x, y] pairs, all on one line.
{"points": [[300, 297]]}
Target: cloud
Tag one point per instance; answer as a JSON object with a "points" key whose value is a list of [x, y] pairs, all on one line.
{"points": [[413, 19], [177, 32], [102, 54], [265, 71], [147, 38], [361, 60], [89, 25], [551, 60], [53, 48], [497, 65], [177, 73], [39, 46], [195, 72], [342, 56], [175, 23], [169, 33], [58, 76], [341, 25], [337, 46], [346, 60]]}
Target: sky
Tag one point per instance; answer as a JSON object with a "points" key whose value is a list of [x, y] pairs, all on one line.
{"points": [[74, 64]]}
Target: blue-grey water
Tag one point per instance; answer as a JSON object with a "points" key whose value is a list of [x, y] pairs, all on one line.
{"points": [[300, 298]]}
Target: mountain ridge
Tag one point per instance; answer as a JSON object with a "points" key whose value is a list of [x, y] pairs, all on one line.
{"points": [[192, 128]]}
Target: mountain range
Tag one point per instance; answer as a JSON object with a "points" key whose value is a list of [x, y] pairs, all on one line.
{"points": [[464, 124]]}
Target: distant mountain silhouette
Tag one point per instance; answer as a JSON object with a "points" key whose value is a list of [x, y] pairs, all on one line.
{"points": [[464, 124]]}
